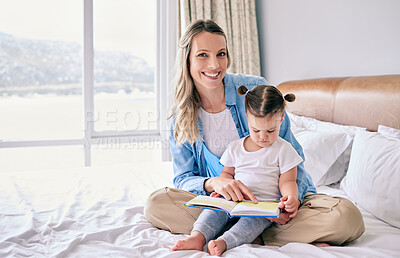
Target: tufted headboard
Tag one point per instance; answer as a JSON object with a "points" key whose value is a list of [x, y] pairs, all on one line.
{"points": [[365, 101]]}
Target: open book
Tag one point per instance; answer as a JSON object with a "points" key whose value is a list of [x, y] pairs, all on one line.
{"points": [[236, 209]]}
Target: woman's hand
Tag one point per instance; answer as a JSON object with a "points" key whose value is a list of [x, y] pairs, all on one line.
{"points": [[215, 195], [283, 218], [230, 189]]}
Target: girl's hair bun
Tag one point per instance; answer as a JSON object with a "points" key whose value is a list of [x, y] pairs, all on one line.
{"points": [[242, 90], [290, 97]]}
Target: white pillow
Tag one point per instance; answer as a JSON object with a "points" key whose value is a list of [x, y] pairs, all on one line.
{"points": [[373, 178], [307, 123], [323, 151], [335, 162], [389, 132]]}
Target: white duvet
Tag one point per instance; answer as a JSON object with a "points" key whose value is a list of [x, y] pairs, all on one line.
{"points": [[98, 212]]}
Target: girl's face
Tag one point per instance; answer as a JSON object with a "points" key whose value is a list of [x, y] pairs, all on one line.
{"points": [[264, 130], [208, 61]]}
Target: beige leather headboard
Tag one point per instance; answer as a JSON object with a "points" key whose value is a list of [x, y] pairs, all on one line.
{"points": [[365, 101]]}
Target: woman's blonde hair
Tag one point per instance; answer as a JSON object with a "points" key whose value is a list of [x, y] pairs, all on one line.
{"points": [[186, 97]]}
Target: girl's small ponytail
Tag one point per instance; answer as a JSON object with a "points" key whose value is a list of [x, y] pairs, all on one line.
{"points": [[290, 97], [242, 90]]}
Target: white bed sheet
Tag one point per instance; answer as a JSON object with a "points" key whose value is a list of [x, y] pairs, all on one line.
{"points": [[98, 212]]}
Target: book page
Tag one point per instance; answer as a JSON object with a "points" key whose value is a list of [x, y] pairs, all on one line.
{"points": [[203, 201], [262, 209]]}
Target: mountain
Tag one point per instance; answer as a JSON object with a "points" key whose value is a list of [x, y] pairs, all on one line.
{"points": [[40, 63]]}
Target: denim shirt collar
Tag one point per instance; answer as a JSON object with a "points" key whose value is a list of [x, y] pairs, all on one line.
{"points": [[230, 92]]}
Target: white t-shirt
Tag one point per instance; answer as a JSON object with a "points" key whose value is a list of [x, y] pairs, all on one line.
{"points": [[260, 170], [218, 130]]}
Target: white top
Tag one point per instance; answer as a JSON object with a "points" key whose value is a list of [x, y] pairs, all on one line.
{"points": [[260, 170], [218, 130]]}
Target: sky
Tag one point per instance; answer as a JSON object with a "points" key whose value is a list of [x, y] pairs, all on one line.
{"points": [[119, 25]]}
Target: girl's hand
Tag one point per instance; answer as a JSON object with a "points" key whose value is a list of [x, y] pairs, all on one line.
{"points": [[290, 204], [230, 189]]}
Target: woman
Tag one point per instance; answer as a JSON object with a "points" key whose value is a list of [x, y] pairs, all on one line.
{"points": [[207, 115]]}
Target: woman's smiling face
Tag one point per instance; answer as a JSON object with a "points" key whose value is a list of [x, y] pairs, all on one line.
{"points": [[208, 60]]}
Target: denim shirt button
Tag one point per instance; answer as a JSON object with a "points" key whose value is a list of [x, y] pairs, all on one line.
{"points": [[237, 126]]}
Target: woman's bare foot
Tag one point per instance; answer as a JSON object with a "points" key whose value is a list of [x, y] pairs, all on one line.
{"points": [[321, 244], [216, 247], [196, 241]]}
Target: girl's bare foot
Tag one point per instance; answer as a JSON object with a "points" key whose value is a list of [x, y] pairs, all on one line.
{"points": [[216, 247], [196, 241]]}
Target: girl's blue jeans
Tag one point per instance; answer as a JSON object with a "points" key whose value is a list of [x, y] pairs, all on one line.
{"points": [[210, 223]]}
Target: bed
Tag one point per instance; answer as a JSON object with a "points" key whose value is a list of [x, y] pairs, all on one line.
{"points": [[349, 128]]}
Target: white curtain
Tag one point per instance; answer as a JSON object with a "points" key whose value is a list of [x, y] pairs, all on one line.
{"points": [[238, 19]]}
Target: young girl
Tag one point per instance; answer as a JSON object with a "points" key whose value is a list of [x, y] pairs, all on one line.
{"points": [[263, 162]]}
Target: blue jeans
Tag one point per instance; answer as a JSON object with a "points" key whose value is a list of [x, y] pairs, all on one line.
{"points": [[210, 223]]}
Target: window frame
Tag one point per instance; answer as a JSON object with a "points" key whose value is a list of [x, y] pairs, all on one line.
{"points": [[166, 49]]}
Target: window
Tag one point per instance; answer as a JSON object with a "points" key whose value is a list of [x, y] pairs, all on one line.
{"points": [[124, 64], [84, 82], [41, 70]]}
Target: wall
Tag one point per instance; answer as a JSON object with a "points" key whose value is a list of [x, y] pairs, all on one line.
{"points": [[324, 38]]}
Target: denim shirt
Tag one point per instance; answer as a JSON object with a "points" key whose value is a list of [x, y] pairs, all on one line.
{"points": [[189, 160]]}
